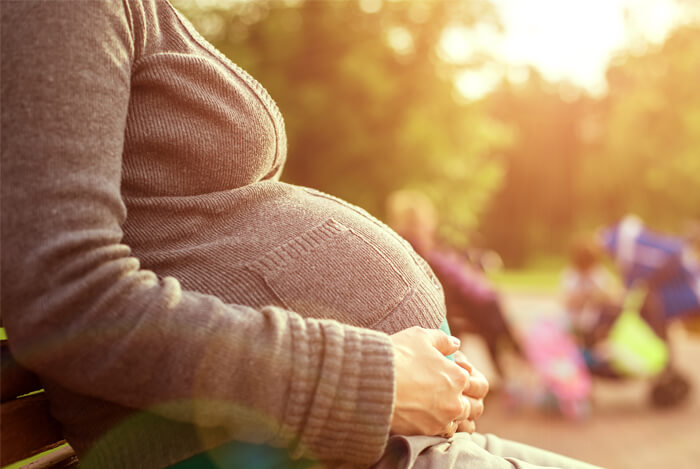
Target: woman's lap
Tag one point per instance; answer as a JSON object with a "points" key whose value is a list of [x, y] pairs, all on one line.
{"points": [[466, 451]]}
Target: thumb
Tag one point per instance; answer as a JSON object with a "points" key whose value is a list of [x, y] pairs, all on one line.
{"points": [[445, 344]]}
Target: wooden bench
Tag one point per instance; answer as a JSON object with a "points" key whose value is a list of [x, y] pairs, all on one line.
{"points": [[27, 428]]}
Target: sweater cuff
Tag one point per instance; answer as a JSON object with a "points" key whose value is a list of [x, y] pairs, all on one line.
{"points": [[342, 392]]}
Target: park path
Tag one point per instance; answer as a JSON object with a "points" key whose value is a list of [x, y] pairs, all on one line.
{"points": [[623, 431]]}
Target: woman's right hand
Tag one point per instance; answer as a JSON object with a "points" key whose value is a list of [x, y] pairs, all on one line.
{"points": [[475, 392], [428, 386]]}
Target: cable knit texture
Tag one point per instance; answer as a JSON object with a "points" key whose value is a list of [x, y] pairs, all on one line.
{"points": [[172, 293]]}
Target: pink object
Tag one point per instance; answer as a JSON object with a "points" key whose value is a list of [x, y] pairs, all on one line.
{"points": [[555, 356]]}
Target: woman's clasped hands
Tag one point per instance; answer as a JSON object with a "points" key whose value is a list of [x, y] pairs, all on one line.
{"points": [[434, 396]]}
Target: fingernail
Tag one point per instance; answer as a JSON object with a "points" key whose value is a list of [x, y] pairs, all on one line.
{"points": [[455, 341]]}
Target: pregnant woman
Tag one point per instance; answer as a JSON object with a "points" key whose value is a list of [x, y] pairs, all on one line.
{"points": [[172, 295]]}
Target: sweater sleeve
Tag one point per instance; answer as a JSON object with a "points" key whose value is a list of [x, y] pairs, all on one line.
{"points": [[79, 310]]}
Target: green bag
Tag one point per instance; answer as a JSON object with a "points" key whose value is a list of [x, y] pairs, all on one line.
{"points": [[635, 349]]}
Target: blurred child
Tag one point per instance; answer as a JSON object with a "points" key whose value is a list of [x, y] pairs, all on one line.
{"points": [[591, 297]]}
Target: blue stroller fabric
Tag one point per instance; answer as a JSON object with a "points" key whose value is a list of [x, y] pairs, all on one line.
{"points": [[663, 262]]}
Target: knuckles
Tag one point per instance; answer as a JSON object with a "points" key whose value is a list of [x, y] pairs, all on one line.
{"points": [[482, 387], [477, 408], [454, 408], [461, 377], [468, 426]]}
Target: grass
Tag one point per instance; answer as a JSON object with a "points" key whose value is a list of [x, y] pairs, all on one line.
{"points": [[541, 276]]}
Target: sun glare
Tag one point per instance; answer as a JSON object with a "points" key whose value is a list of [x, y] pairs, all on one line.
{"points": [[566, 40]]}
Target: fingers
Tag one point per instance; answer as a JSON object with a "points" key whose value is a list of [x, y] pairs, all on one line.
{"points": [[474, 393], [478, 385], [462, 361], [468, 426], [445, 344], [466, 408], [472, 408], [466, 422], [451, 429], [476, 408], [429, 389]]}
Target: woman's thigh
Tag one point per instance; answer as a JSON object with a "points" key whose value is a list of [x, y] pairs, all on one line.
{"points": [[466, 451]]}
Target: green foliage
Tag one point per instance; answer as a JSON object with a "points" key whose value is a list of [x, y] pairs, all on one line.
{"points": [[536, 207], [578, 163], [370, 107], [647, 160]]}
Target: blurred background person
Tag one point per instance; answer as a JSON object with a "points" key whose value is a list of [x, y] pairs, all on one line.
{"points": [[592, 301], [473, 303], [590, 293]]}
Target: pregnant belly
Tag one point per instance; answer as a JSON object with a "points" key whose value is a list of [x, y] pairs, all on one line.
{"points": [[278, 244]]}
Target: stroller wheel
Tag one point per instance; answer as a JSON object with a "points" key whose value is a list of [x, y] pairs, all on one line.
{"points": [[671, 389]]}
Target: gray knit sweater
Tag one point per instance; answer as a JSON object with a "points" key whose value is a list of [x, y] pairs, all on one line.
{"points": [[165, 286]]}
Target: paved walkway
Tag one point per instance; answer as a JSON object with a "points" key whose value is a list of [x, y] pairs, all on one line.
{"points": [[623, 431]]}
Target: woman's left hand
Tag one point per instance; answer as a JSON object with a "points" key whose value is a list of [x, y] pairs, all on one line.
{"points": [[475, 391]]}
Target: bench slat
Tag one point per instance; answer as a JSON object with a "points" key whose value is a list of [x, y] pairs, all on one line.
{"points": [[16, 380], [62, 458], [28, 428]]}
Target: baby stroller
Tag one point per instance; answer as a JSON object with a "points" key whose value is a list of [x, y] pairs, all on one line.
{"points": [[628, 347], [663, 284], [561, 367], [622, 346]]}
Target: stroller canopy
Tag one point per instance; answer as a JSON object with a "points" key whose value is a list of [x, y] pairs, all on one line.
{"points": [[665, 263]]}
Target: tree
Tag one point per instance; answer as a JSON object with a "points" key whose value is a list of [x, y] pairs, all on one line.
{"points": [[537, 206], [647, 158]]}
